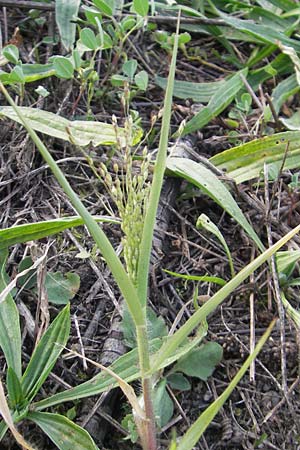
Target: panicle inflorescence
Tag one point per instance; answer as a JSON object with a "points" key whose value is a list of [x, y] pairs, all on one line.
{"points": [[129, 189]]}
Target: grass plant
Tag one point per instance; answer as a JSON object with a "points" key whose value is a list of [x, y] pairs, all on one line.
{"points": [[137, 202]]}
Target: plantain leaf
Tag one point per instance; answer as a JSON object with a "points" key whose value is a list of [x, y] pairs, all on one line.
{"points": [[46, 353], [220, 100], [156, 327], [14, 389], [78, 132], [65, 434], [264, 33], [199, 92], [179, 382], [283, 91], [292, 123], [210, 184], [10, 333], [9, 421], [66, 12], [38, 230], [246, 161]]}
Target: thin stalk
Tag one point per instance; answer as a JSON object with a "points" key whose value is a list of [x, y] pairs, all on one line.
{"points": [[145, 253], [158, 176], [144, 359], [114, 263]]}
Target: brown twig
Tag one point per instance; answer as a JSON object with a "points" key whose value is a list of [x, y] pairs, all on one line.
{"points": [[252, 323], [274, 113], [280, 307]]}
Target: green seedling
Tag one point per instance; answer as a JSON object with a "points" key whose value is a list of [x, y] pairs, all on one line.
{"points": [[242, 108], [166, 40], [205, 222], [136, 81]]}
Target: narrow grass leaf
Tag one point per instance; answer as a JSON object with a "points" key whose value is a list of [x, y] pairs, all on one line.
{"points": [[38, 230], [46, 354], [220, 100], [246, 161], [158, 176], [3, 429], [66, 12], [290, 51], [78, 132], [210, 184], [280, 65], [205, 222], [7, 417], [65, 434], [10, 333], [262, 32], [172, 343], [199, 92], [204, 278], [293, 313], [284, 5], [191, 437], [285, 89], [286, 261]]}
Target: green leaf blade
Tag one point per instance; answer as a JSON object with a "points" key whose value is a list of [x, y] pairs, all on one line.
{"points": [[65, 434], [141, 7], [63, 67], [14, 389], [200, 362], [46, 353], [66, 13], [199, 92], [10, 332], [61, 287], [78, 132], [219, 101], [38, 230], [246, 161]]}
